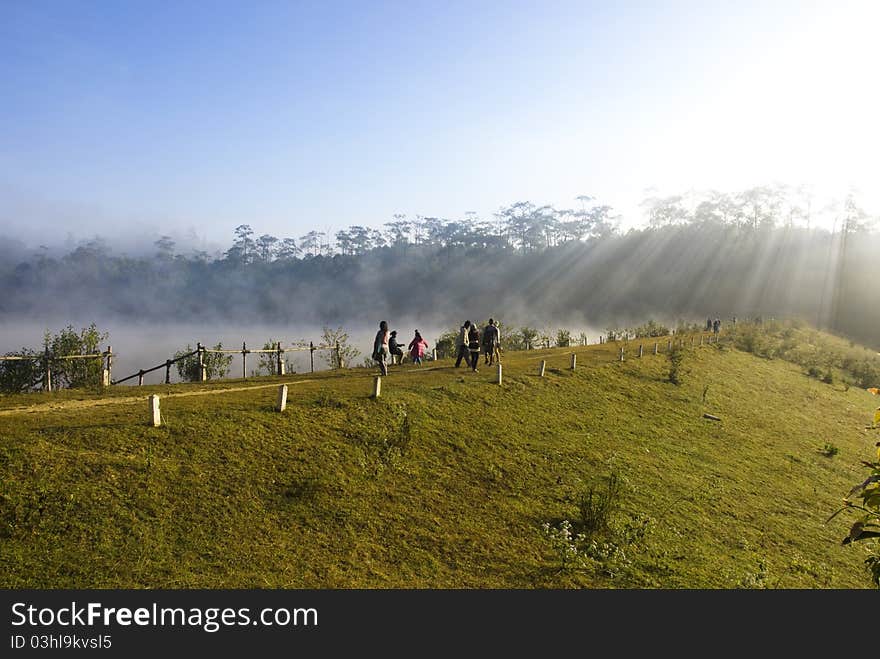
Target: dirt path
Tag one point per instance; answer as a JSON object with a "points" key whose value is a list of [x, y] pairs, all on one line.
{"points": [[100, 402]]}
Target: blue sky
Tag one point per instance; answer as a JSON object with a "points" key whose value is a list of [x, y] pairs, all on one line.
{"points": [[142, 118]]}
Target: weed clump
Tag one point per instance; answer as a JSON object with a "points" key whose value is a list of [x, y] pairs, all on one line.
{"points": [[598, 507], [603, 539]]}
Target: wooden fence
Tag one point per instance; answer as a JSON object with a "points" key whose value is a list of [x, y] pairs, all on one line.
{"points": [[201, 351], [47, 359]]}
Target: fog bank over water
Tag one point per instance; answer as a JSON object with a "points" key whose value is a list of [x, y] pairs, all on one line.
{"points": [[745, 255]]}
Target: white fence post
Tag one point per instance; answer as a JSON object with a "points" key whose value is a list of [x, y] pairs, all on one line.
{"points": [[155, 414], [281, 403]]}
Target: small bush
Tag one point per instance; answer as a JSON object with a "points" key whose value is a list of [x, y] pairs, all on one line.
{"points": [[529, 337], [347, 353], [74, 373], [563, 338], [676, 359], [216, 364], [268, 360], [652, 329], [603, 540], [21, 374], [445, 344]]}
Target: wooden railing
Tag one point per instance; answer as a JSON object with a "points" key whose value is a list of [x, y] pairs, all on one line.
{"points": [[201, 351]]}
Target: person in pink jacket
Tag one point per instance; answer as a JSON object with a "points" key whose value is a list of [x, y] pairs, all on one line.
{"points": [[417, 348]]}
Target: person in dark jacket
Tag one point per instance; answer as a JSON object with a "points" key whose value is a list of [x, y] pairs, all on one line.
{"points": [[380, 347], [462, 344], [474, 346], [395, 348], [491, 342]]}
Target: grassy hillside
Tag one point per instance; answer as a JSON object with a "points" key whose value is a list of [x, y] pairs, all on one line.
{"points": [[447, 480]]}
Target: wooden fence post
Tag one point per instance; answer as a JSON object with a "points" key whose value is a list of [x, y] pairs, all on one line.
{"points": [[203, 371], [312, 355], [621, 354], [655, 347], [377, 386], [338, 357], [498, 374], [640, 351], [109, 364], [434, 352], [244, 352], [281, 403], [141, 377], [167, 371], [668, 345], [574, 361], [543, 366]]}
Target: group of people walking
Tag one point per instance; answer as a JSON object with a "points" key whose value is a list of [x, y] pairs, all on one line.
{"points": [[386, 347], [471, 342]]}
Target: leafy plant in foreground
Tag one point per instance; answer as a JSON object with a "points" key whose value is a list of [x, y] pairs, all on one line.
{"points": [[866, 528]]}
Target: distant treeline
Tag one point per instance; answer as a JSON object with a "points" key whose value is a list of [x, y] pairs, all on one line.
{"points": [[746, 255]]}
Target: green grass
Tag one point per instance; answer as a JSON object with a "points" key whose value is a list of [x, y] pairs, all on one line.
{"points": [[337, 493]]}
